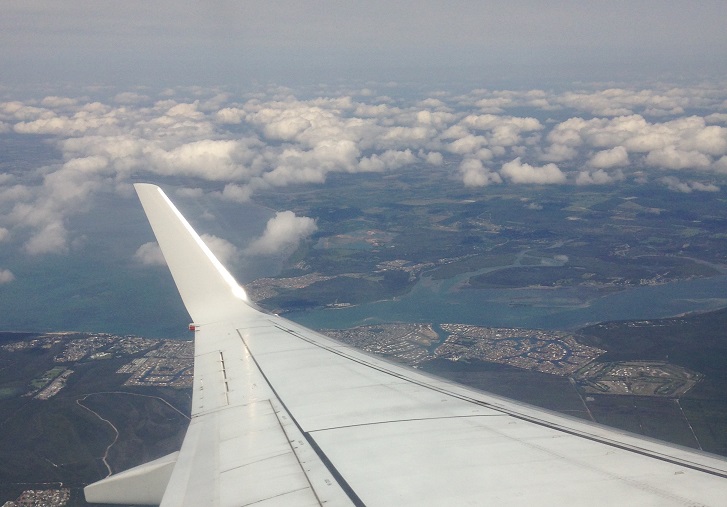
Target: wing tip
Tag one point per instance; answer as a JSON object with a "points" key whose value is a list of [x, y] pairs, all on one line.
{"points": [[208, 289]]}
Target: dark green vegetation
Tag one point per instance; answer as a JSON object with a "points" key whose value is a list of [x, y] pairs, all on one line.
{"points": [[696, 419], [617, 272], [697, 342], [547, 391], [344, 290], [608, 238], [58, 440]]}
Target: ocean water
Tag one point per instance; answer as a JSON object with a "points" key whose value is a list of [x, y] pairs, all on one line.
{"points": [[542, 308], [99, 286]]}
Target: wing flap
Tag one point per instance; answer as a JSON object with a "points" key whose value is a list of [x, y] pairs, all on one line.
{"points": [[257, 465], [242, 447]]}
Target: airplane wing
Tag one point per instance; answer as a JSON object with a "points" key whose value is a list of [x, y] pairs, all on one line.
{"points": [[284, 416]]}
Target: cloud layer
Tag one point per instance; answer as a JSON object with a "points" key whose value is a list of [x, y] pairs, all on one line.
{"points": [[231, 146]]}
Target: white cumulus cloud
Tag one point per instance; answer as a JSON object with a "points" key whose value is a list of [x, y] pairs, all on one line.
{"points": [[434, 158], [519, 172], [598, 177], [232, 146], [226, 252], [672, 158], [687, 187], [475, 174], [150, 254], [615, 157], [283, 233], [51, 238]]}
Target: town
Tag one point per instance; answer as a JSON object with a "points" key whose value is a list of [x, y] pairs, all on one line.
{"points": [[161, 363]]}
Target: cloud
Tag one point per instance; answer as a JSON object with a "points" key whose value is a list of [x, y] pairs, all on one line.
{"points": [[716, 118], [467, 144], [675, 184], [232, 146], [190, 193], [711, 140], [230, 116], [497, 133], [226, 252], [672, 158], [51, 238], [621, 102], [659, 101], [390, 159], [558, 153], [63, 192], [720, 165], [680, 143], [17, 111], [434, 158], [518, 172], [475, 174], [150, 254], [6, 276], [598, 177], [53, 101], [62, 125], [283, 233], [237, 193], [208, 159], [615, 157]]}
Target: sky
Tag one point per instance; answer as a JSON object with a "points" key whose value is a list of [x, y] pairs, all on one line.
{"points": [[301, 41], [219, 101]]}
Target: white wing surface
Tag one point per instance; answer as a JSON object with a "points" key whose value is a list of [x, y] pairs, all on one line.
{"points": [[283, 416]]}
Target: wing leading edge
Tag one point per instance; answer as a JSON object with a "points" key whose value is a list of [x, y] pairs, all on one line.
{"points": [[283, 416]]}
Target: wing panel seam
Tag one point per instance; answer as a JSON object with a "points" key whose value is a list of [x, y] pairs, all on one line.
{"points": [[347, 489], [626, 447], [287, 437], [275, 496], [413, 419], [261, 460]]}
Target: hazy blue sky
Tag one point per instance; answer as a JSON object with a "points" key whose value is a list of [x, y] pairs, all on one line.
{"points": [[223, 41]]}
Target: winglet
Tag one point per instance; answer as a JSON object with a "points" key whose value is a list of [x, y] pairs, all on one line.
{"points": [[210, 293]]}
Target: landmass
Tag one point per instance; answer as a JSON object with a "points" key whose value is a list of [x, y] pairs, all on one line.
{"points": [[375, 242], [78, 406]]}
